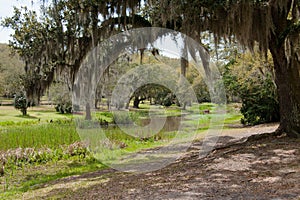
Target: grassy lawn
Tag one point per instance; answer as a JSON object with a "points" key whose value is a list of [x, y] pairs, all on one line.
{"points": [[35, 176], [50, 135], [36, 131], [9, 115], [53, 142]]}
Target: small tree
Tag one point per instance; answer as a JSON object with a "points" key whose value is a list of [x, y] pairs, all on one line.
{"points": [[20, 103]]}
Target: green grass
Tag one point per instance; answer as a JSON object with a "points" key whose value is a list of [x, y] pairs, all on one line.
{"points": [[50, 135], [107, 116], [35, 177], [29, 132], [75, 168], [108, 144], [113, 143], [233, 119], [10, 116]]}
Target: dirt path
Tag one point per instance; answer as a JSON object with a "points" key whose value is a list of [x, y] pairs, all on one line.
{"points": [[263, 169]]}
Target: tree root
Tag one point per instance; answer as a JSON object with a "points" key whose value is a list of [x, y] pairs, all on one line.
{"points": [[290, 133], [245, 140]]}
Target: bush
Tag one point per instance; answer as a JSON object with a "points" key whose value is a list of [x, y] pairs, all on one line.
{"points": [[64, 108], [20, 103], [254, 85], [260, 103], [168, 100], [60, 95]]}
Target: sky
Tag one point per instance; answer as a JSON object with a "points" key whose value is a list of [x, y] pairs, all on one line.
{"points": [[6, 10]]}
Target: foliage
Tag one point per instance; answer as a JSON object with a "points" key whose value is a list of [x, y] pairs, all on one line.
{"points": [[20, 103], [157, 94], [59, 94], [53, 134], [125, 118], [17, 181], [259, 102], [58, 41], [254, 85], [201, 90], [38, 135], [64, 108], [271, 25], [24, 156], [11, 70], [29, 150], [27, 43], [61, 39], [111, 76], [241, 19], [35, 115]]}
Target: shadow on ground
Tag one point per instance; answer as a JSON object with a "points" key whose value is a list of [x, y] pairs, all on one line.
{"points": [[268, 168]]}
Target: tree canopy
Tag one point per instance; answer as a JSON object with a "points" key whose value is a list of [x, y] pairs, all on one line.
{"points": [[58, 42], [11, 72]]}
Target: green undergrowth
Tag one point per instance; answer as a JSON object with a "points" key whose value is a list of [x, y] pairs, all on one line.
{"points": [[51, 135], [17, 181], [31, 148]]}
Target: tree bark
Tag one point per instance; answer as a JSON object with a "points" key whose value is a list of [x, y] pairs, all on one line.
{"points": [[287, 79], [127, 105], [96, 103], [183, 66], [24, 111], [88, 115], [142, 55], [136, 102]]}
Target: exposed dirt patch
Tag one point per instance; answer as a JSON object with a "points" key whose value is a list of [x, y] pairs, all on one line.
{"points": [[268, 168]]}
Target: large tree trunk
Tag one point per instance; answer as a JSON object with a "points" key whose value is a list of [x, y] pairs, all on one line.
{"points": [[184, 63], [88, 115], [288, 84], [96, 103], [24, 111]]}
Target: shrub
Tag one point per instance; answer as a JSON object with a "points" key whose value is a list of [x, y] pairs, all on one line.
{"points": [[260, 103], [64, 108], [20, 103], [60, 95], [254, 86]]}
